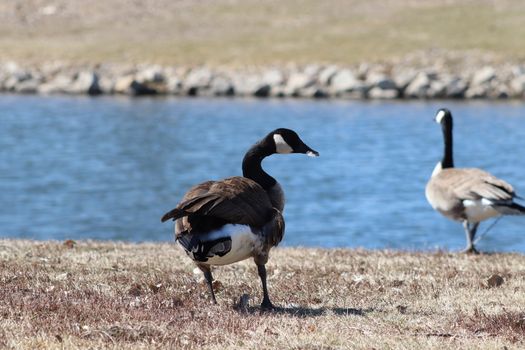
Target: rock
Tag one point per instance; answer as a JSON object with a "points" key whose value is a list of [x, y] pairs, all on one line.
{"points": [[455, 87], [345, 81], [221, 86], [477, 91], [517, 86], [29, 86], [250, 85], [384, 94], [404, 77], [499, 91], [262, 91], [381, 81], [58, 85], [483, 76], [312, 92], [150, 74], [15, 78], [273, 77], [298, 81], [326, 74], [418, 87], [437, 89], [123, 84], [197, 80], [86, 82], [106, 84], [129, 86], [174, 85]]}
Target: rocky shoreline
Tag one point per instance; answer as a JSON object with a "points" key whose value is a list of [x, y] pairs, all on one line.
{"points": [[394, 80]]}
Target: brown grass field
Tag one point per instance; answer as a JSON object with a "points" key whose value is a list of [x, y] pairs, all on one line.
{"points": [[68, 295], [248, 32]]}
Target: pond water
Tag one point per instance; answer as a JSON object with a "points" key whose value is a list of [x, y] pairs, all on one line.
{"points": [[108, 168]]}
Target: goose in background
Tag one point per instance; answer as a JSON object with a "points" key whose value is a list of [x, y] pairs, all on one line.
{"points": [[468, 195], [222, 222]]}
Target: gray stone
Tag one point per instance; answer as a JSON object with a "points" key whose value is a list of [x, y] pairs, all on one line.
{"points": [[517, 86], [477, 91], [58, 85], [298, 81], [221, 86], [404, 77], [106, 84], [123, 84], [86, 82], [29, 86], [345, 81], [383, 94], [483, 76], [499, 91], [273, 77], [326, 74], [150, 74], [197, 80], [437, 89], [419, 86], [455, 87], [128, 85], [312, 70], [250, 85], [381, 81]]}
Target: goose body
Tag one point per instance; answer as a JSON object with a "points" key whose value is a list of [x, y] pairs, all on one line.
{"points": [[468, 195], [226, 221]]}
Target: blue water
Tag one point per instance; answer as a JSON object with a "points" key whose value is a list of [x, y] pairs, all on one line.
{"points": [[108, 168]]}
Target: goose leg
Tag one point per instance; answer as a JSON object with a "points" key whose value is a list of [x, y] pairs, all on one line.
{"points": [[266, 303], [209, 279], [470, 232]]}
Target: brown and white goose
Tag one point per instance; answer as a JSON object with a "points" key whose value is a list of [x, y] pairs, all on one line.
{"points": [[468, 195], [222, 222]]}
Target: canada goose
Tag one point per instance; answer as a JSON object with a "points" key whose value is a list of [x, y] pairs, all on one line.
{"points": [[222, 222], [468, 195]]}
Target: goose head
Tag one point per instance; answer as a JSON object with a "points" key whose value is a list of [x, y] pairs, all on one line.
{"points": [[287, 141]]}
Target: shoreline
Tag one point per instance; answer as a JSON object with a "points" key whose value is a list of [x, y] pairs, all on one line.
{"points": [[422, 79]]}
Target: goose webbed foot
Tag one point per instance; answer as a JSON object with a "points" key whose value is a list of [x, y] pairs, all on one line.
{"points": [[470, 250], [267, 305]]}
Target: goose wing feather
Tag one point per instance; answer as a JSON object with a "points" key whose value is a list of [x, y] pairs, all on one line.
{"points": [[236, 200]]}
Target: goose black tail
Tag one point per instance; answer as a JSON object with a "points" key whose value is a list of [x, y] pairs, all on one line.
{"points": [[511, 209]]}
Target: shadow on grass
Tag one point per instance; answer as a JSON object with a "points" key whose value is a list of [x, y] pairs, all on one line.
{"points": [[305, 311]]}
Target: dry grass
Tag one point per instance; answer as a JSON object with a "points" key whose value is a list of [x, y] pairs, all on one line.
{"points": [[128, 296], [244, 32]]}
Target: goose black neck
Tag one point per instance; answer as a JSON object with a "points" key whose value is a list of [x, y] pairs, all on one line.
{"points": [[251, 165], [448, 160]]}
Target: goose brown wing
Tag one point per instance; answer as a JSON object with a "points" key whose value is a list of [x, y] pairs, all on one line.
{"points": [[476, 184], [236, 200]]}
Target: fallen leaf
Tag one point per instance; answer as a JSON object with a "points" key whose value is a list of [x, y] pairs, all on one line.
{"points": [[155, 287], [70, 244], [495, 281], [135, 290], [402, 309], [217, 285]]}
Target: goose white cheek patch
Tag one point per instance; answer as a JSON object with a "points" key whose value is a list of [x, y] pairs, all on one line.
{"points": [[440, 116], [280, 145]]}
